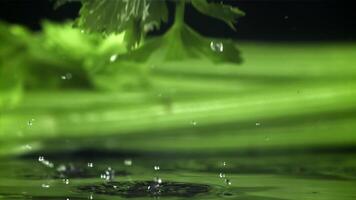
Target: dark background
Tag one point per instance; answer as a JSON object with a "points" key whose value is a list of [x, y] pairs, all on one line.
{"points": [[265, 20]]}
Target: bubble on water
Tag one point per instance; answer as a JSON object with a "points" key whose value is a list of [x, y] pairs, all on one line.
{"points": [[194, 123], [113, 58], [217, 46], [156, 168], [90, 165], [45, 185], [128, 162], [66, 181], [109, 174]]}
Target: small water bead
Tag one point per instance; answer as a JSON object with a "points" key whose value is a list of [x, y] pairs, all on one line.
{"points": [[228, 182], [194, 123], [66, 181], [109, 174], [128, 162], [90, 165], [258, 124], [67, 76], [113, 58], [91, 197], [156, 168], [41, 158], [217, 46], [30, 122], [221, 175], [45, 162], [45, 186]]}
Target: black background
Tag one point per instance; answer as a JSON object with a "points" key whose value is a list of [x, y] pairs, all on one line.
{"points": [[265, 20]]}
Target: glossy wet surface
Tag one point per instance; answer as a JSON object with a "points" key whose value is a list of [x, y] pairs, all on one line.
{"points": [[245, 177]]}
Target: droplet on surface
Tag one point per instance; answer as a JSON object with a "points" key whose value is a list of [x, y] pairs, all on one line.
{"points": [[217, 46], [156, 168], [258, 124], [45, 186], [221, 175], [90, 165]]}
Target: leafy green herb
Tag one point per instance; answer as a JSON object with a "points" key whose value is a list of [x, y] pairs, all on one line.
{"points": [[137, 17]]}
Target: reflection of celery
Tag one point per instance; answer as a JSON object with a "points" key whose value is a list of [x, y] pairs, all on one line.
{"points": [[170, 93]]}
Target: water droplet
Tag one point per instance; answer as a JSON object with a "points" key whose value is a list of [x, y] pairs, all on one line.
{"points": [[128, 162], [45, 162], [67, 76], [30, 122], [222, 175], [91, 197], [45, 186], [27, 147], [258, 124], [194, 123], [109, 174], [61, 168], [66, 181], [158, 180], [156, 168], [41, 158], [224, 163], [217, 46], [227, 181], [90, 165], [113, 58]]}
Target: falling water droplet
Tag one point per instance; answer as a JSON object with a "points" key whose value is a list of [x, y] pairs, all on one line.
{"points": [[109, 174], [66, 181], [30, 122], [222, 175], [227, 181], [113, 58], [128, 162], [194, 123], [217, 46], [41, 158]]}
